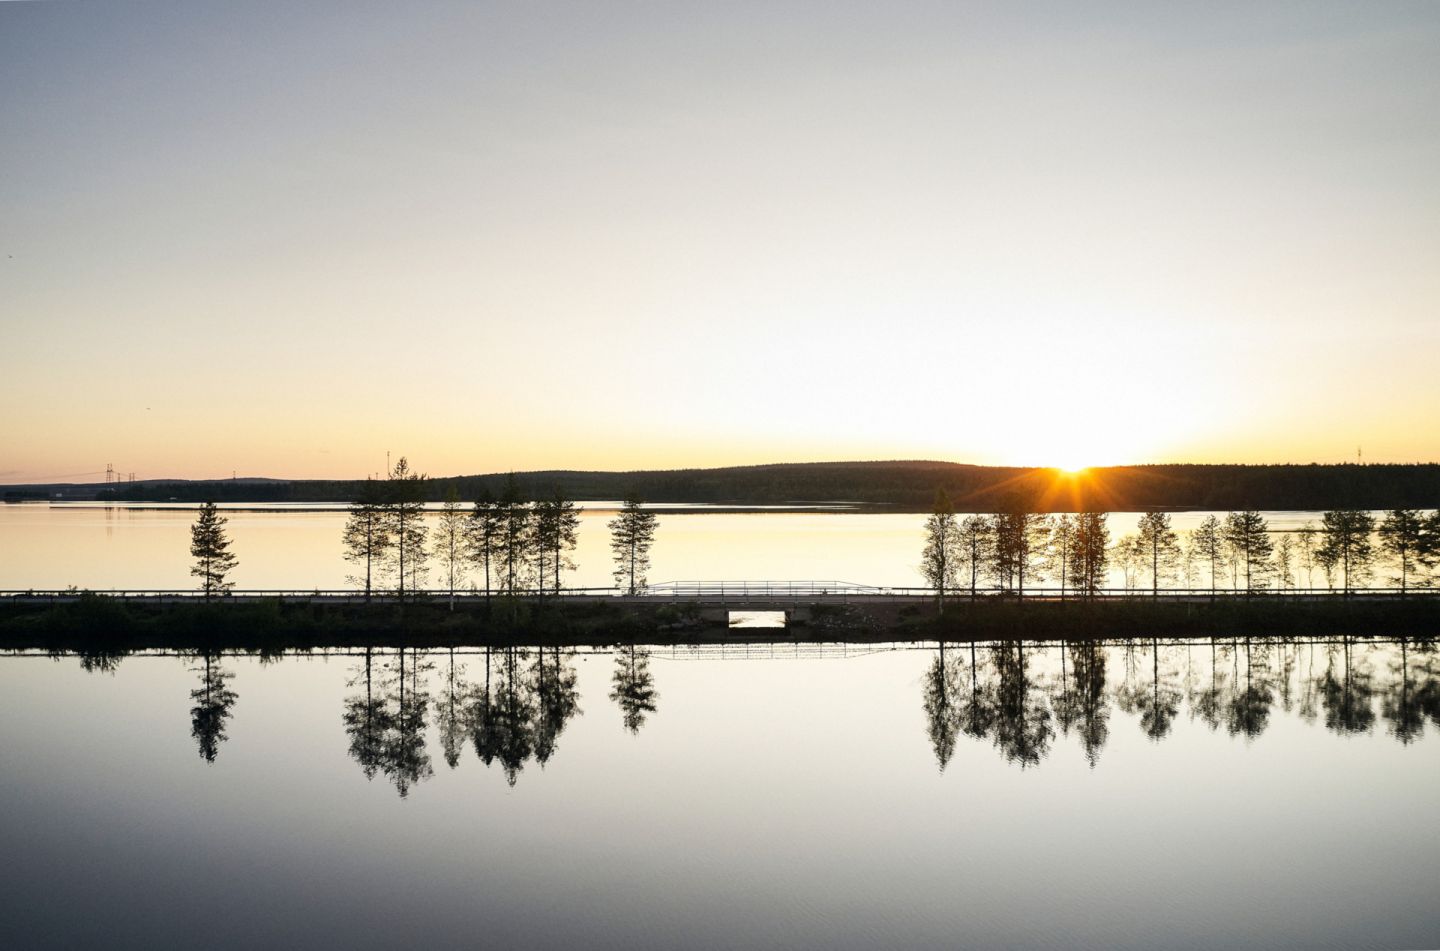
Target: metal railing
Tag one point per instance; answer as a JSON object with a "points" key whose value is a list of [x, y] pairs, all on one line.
{"points": [[724, 591]]}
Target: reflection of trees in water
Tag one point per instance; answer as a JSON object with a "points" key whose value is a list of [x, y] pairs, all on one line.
{"points": [[213, 700], [1080, 703], [976, 709], [385, 718], [558, 699], [1248, 711], [1236, 685], [1022, 728], [100, 660], [1149, 693], [452, 711], [522, 707], [941, 717], [512, 714], [633, 686], [1414, 692], [405, 760], [1208, 702], [366, 719], [1345, 694]]}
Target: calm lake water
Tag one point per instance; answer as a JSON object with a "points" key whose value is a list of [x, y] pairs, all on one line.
{"points": [[1182, 795], [298, 547]]}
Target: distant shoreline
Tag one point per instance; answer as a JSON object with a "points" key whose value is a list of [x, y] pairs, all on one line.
{"points": [[907, 486]]}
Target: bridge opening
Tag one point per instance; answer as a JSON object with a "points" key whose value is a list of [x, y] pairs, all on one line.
{"points": [[770, 619]]}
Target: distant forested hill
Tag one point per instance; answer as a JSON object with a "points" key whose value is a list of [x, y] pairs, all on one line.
{"points": [[903, 485]]}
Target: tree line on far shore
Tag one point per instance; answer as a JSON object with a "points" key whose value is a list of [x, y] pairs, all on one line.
{"points": [[1015, 547]]}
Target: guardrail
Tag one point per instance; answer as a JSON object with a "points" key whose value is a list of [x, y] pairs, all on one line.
{"points": [[724, 591]]}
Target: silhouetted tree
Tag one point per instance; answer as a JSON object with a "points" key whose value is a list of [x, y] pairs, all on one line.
{"points": [[1404, 537], [366, 536], [210, 547], [450, 542], [1090, 552], [976, 542], [1305, 544], [1159, 705], [1130, 556], [940, 560], [633, 686], [1285, 561], [1020, 538], [1248, 536], [632, 532], [1208, 541], [514, 539], [404, 513], [1162, 547], [213, 702], [484, 536], [1062, 544], [1345, 543], [553, 529]]}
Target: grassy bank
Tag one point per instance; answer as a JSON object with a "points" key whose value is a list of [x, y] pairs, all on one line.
{"points": [[96, 622]]}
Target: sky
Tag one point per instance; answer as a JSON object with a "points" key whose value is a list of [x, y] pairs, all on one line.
{"points": [[286, 238]]}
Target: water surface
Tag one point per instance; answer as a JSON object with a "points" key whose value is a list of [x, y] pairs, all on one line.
{"points": [[1232, 793]]}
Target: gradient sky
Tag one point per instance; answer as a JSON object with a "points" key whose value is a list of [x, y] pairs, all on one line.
{"points": [[282, 238]]}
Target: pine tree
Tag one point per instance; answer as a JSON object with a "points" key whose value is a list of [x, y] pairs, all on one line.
{"points": [[632, 532], [484, 536], [975, 544], [404, 514], [1162, 547], [1089, 552], [566, 526], [1248, 536], [1209, 542], [210, 548], [1345, 544], [514, 538], [366, 536], [1403, 536]]}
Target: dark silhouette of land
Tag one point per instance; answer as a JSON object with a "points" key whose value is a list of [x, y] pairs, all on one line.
{"points": [[900, 486], [101, 625]]}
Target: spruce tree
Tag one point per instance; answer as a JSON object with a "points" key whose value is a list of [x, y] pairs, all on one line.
{"points": [[632, 532], [210, 548]]}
